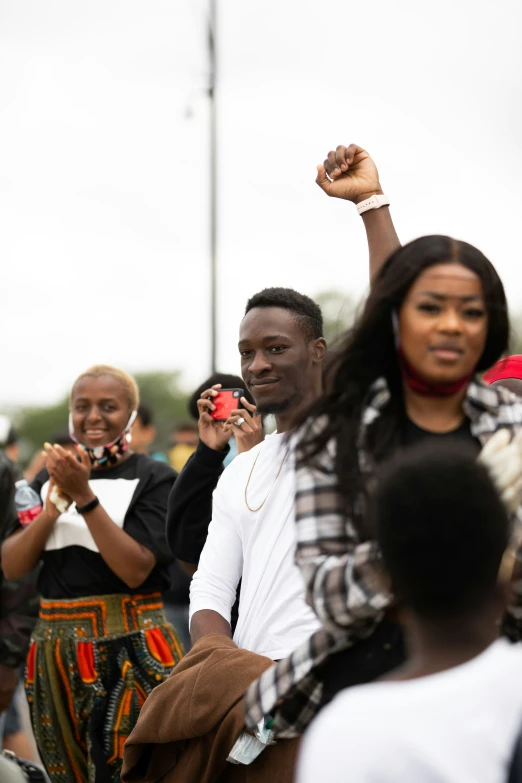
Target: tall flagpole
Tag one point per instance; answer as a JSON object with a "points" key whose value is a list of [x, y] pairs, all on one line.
{"points": [[212, 17]]}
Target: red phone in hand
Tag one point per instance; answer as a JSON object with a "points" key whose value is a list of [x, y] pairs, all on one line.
{"points": [[226, 401]]}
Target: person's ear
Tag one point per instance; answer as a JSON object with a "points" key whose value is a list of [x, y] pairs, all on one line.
{"points": [[507, 568], [319, 349]]}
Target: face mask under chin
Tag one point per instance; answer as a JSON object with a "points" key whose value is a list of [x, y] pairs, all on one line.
{"points": [[111, 453]]}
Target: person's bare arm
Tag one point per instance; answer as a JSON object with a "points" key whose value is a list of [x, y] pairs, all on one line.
{"points": [[208, 621], [131, 561], [349, 173], [382, 237]]}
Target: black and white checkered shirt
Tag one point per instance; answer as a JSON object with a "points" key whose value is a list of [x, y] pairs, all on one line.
{"points": [[341, 571]]}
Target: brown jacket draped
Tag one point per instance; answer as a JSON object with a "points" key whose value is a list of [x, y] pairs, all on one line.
{"points": [[189, 723]]}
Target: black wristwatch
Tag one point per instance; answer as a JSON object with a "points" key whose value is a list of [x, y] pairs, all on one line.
{"points": [[90, 506]]}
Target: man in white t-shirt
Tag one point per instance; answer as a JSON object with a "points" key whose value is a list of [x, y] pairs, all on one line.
{"points": [[252, 533], [453, 712], [251, 536]]}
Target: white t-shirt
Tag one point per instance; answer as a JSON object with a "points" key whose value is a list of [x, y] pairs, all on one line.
{"points": [[259, 548], [458, 726]]}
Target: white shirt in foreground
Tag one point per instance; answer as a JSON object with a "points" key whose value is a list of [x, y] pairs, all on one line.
{"points": [[259, 547], [458, 726]]}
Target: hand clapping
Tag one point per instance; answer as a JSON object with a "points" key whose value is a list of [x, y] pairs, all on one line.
{"points": [[67, 472]]}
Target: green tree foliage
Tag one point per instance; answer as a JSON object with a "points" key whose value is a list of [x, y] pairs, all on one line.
{"points": [[159, 390], [162, 393], [37, 425], [339, 311]]}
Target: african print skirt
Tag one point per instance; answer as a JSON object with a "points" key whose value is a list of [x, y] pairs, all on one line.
{"points": [[92, 663]]}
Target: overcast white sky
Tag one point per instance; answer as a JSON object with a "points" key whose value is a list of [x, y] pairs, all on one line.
{"points": [[103, 176]]}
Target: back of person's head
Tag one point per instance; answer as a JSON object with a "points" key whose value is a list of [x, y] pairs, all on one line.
{"points": [[8, 435], [145, 416], [62, 438], [226, 381], [184, 430], [442, 530], [9, 439], [306, 311], [143, 430]]}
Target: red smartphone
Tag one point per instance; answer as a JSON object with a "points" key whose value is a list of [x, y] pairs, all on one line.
{"points": [[226, 401]]}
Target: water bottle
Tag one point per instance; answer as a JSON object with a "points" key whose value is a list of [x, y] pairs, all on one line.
{"points": [[27, 502]]}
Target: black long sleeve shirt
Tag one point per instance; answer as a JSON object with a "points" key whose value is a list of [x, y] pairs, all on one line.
{"points": [[189, 509]]}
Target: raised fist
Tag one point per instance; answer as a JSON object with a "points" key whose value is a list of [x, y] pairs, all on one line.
{"points": [[349, 173]]}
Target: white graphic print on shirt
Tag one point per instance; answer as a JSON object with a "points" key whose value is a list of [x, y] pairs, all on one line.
{"points": [[70, 529]]}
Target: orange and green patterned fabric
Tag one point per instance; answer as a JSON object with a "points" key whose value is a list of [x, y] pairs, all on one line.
{"points": [[92, 663]]}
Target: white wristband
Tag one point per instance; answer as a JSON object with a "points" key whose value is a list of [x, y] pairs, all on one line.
{"points": [[374, 202]]}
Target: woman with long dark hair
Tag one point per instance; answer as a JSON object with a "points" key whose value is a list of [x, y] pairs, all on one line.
{"points": [[436, 316]]}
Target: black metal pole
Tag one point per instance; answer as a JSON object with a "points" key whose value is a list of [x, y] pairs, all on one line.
{"points": [[213, 181]]}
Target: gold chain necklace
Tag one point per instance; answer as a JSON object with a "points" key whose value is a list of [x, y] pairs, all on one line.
{"points": [[271, 488]]}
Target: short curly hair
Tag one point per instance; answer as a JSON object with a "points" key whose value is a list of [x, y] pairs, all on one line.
{"points": [[123, 377], [448, 564], [306, 311]]}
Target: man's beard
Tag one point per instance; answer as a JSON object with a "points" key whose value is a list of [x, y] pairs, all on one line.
{"points": [[276, 407]]}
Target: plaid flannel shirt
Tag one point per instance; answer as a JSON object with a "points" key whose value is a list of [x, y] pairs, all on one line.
{"points": [[341, 571]]}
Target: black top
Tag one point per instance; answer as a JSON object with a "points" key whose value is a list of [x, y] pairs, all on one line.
{"points": [[134, 494], [384, 650], [190, 503], [414, 434]]}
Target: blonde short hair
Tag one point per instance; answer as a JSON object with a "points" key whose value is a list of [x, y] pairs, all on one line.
{"points": [[127, 380]]}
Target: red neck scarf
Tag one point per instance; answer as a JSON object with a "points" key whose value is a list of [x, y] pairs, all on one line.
{"points": [[425, 388], [511, 367]]}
